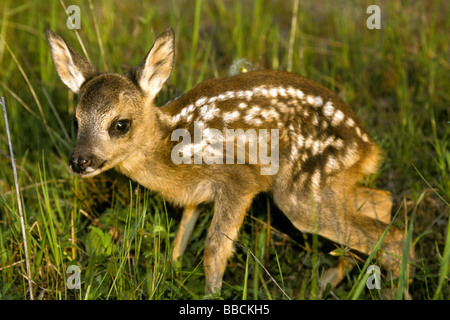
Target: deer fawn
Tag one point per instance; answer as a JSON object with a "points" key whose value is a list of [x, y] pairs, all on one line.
{"points": [[318, 151]]}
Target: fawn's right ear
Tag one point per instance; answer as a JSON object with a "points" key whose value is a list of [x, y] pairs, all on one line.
{"points": [[73, 69], [157, 65]]}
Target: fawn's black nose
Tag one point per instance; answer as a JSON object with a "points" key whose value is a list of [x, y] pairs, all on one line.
{"points": [[79, 164]]}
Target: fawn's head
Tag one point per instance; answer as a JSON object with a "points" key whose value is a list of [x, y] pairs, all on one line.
{"points": [[112, 108]]}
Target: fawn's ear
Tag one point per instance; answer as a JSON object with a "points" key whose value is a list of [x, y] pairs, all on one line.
{"points": [[73, 69], [157, 65]]}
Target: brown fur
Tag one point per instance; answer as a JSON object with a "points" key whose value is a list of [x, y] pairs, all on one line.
{"points": [[323, 151]]}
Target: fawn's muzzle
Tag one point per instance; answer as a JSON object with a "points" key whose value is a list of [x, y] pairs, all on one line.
{"points": [[80, 164]]}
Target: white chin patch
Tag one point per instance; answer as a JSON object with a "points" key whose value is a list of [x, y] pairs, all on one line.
{"points": [[89, 170]]}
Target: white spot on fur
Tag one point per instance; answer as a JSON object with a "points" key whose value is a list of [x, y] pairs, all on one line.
{"points": [[284, 108], [330, 140], [316, 147], [350, 156], [291, 92], [257, 121], [230, 94], [282, 92], [337, 118], [365, 138], [240, 94], [308, 142], [301, 141], [221, 97], [200, 102], [273, 92], [211, 112], [294, 152], [315, 179], [328, 109], [248, 118], [350, 122], [332, 165], [231, 116], [319, 101], [176, 118], [257, 90], [338, 143], [203, 110], [252, 116], [183, 112], [270, 114], [254, 111]]}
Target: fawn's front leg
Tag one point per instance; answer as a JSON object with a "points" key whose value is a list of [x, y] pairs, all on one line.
{"points": [[187, 224], [228, 217]]}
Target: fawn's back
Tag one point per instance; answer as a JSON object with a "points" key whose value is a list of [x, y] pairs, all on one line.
{"points": [[318, 136]]}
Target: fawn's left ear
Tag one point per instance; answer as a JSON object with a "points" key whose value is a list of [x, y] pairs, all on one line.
{"points": [[157, 65], [73, 69]]}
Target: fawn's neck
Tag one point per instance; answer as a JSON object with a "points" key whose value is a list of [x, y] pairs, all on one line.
{"points": [[149, 162]]}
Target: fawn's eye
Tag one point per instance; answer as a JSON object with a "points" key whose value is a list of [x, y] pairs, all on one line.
{"points": [[120, 127]]}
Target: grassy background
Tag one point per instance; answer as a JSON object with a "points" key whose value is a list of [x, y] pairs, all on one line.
{"points": [[120, 235]]}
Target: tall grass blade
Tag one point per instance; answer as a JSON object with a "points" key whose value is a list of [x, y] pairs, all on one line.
{"points": [[195, 36], [27, 80], [19, 202]]}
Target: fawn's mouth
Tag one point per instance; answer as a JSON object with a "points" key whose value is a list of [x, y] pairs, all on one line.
{"points": [[90, 171]]}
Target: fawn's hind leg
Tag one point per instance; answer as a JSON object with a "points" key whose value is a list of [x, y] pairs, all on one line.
{"points": [[187, 224], [377, 205], [331, 213], [373, 203]]}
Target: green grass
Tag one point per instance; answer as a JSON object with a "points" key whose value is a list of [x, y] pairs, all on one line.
{"points": [[120, 235]]}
